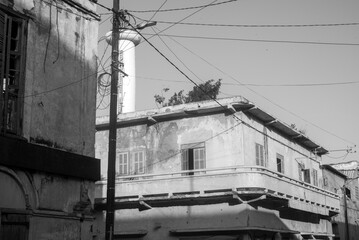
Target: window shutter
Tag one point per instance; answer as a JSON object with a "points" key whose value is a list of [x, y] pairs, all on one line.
{"points": [[2, 65], [184, 159], [2, 36], [260, 155], [307, 175]]}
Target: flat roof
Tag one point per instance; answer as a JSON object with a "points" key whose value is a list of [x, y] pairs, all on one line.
{"points": [[196, 109]]}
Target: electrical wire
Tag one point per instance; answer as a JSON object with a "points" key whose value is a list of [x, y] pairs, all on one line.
{"points": [[184, 8], [102, 22], [197, 144], [174, 54], [190, 15], [258, 40], [216, 101], [264, 85], [58, 35], [121, 47], [48, 38], [69, 11], [284, 109], [263, 25], [158, 10], [180, 59], [61, 87], [344, 156], [103, 6]]}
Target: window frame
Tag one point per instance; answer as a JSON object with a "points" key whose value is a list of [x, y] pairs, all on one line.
{"points": [[280, 164], [17, 90], [119, 164], [259, 154], [315, 177], [134, 162], [193, 157], [306, 175], [300, 171]]}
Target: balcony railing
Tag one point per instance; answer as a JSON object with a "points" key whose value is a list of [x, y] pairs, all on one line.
{"points": [[238, 179]]}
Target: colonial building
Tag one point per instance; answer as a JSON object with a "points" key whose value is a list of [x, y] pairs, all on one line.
{"points": [[47, 117], [214, 170], [343, 179]]}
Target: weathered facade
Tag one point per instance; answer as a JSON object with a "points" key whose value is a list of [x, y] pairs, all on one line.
{"points": [[343, 179], [47, 116], [208, 170]]}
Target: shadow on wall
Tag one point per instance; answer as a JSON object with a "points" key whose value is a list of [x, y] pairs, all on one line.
{"points": [[60, 68], [209, 220], [339, 231]]}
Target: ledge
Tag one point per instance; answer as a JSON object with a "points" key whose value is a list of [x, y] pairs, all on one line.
{"points": [[21, 154]]}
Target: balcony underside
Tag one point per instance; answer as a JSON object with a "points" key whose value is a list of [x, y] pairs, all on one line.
{"points": [[254, 185], [255, 197]]}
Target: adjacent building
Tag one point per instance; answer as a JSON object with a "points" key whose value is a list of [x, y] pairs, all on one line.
{"points": [[48, 76], [214, 170], [342, 178]]}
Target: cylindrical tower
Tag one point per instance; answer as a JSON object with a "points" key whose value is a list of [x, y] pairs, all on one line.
{"points": [[128, 40]]}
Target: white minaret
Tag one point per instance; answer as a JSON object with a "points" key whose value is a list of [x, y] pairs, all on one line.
{"points": [[128, 40]]}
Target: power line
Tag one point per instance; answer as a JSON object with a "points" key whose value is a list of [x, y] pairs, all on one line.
{"points": [[105, 20], [197, 144], [121, 47], [176, 56], [215, 100], [158, 10], [184, 8], [93, 15], [61, 87], [190, 15], [296, 115], [264, 25], [103, 6], [259, 40], [264, 85], [203, 7]]}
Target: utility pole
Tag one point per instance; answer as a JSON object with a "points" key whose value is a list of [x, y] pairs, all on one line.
{"points": [[111, 171], [346, 211]]}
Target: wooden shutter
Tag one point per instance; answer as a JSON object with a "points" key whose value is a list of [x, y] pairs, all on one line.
{"points": [[306, 175], [184, 159], [300, 172], [259, 155], [2, 66], [2, 37]]}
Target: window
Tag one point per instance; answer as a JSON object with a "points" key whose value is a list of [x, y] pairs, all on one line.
{"points": [[260, 155], [193, 157], [357, 192], [306, 174], [325, 181], [300, 171], [122, 163], [138, 162], [348, 192], [12, 49], [280, 163], [315, 177]]}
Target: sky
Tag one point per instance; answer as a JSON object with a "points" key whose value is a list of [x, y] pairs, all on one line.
{"points": [[298, 60]]}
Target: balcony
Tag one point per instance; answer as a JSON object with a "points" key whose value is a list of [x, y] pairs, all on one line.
{"points": [[234, 185]]}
